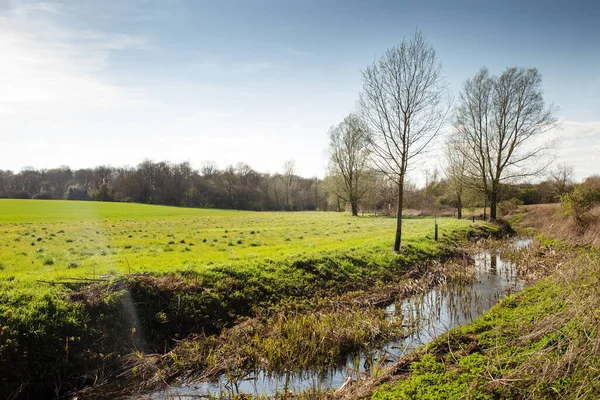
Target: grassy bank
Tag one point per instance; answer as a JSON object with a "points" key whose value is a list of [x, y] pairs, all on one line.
{"points": [[297, 339], [540, 343], [202, 271]]}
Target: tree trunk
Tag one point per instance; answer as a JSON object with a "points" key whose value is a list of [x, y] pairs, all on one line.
{"points": [[354, 205], [493, 204], [459, 207], [399, 219], [484, 206]]}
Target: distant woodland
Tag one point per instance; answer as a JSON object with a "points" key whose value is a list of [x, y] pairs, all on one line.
{"points": [[241, 187]]}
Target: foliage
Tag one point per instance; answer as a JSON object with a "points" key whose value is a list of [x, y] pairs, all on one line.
{"points": [[578, 203], [43, 196], [238, 187], [103, 193], [36, 324], [75, 192], [509, 206], [431, 379]]}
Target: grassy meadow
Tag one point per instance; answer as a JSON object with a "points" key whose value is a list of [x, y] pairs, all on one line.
{"points": [[45, 239], [174, 272]]}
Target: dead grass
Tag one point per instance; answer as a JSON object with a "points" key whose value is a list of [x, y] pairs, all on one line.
{"points": [[546, 219]]}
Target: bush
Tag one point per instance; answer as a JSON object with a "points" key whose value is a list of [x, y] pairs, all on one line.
{"points": [[15, 194], [76, 193], [580, 201], [509, 206], [104, 193], [43, 196]]}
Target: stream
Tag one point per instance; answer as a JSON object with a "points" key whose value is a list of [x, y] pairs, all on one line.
{"points": [[427, 316]]}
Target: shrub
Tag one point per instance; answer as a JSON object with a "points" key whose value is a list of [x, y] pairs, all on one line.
{"points": [[104, 193], [76, 193], [15, 194], [580, 201], [43, 196], [509, 206]]}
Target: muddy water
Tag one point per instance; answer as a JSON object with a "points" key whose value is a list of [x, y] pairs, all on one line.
{"points": [[426, 316]]}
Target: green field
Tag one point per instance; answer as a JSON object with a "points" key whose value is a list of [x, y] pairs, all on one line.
{"points": [[59, 239], [174, 272]]}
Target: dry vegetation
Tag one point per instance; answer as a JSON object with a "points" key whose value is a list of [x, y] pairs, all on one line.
{"points": [[547, 219]]}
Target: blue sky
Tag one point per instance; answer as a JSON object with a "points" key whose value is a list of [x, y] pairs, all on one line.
{"points": [[84, 83]]}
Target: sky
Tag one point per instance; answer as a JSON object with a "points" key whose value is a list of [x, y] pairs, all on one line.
{"points": [[113, 82]]}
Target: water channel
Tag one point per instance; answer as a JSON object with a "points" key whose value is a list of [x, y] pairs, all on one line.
{"points": [[427, 316]]}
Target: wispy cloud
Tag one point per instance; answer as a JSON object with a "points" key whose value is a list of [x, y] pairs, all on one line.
{"points": [[47, 67], [580, 130]]}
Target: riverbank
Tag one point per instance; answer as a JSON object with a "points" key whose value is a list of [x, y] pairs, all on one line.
{"points": [[542, 342], [285, 345]]}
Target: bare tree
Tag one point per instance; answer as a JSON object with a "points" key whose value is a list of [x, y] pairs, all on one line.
{"points": [[288, 181], [562, 178], [456, 173], [209, 169], [403, 100], [349, 159], [499, 118]]}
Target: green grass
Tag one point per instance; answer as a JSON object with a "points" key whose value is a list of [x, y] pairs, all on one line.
{"points": [[205, 269], [69, 239], [15, 211], [541, 343]]}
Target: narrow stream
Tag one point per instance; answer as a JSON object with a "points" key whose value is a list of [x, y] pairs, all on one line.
{"points": [[428, 316]]}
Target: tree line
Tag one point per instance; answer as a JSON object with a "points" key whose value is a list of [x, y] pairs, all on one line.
{"points": [[241, 187], [234, 187]]}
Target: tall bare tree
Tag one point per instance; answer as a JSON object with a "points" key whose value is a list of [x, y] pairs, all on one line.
{"points": [[404, 101], [349, 160], [288, 182], [499, 119], [456, 173]]}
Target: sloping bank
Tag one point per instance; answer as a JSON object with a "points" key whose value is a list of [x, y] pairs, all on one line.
{"points": [[56, 338], [543, 342]]}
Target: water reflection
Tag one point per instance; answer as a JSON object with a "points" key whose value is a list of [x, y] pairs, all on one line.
{"points": [[426, 317]]}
